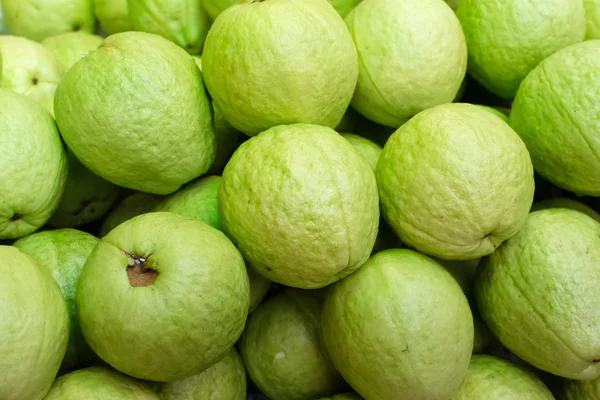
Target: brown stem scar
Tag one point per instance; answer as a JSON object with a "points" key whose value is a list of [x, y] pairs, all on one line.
{"points": [[139, 274], [15, 217]]}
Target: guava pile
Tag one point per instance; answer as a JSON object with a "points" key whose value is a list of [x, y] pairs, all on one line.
{"points": [[299, 199]]}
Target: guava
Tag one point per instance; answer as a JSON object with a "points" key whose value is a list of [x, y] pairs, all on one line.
{"points": [[86, 198], [107, 113], [455, 182], [279, 62], [592, 14], [63, 252], [506, 40], [301, 205], [561, 202], [398, 324], [99, 383], [259, 287], [282, 347], [349, 121], [163, 297], [133, 205], [33, 165], [495, 111], [34, 329], [386, 238], [71, 47], [579, 390], [113, 15], [30, 69], [404, 68], [545, 280], [216, 7], [343, 396], [226, 380], [184, 22], [555, 114], [37, 20], [453, 3], [489, 377], [366, 148]]}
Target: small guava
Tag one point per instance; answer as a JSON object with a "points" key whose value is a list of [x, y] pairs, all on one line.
{"points": [[113, 15], [579, 390], [71, 47], [133, 205], [592, 14], [495, 111], [366, 148], [563, 202]]}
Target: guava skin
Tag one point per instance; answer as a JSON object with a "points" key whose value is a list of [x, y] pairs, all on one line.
{"points": [[63, 252], [149, 275], [546, 280], [71, 47], [279, 62], [560, 202], [592, 14], [107, 112], [131, 206], [410, 294], [34, 330], [216, 7], [33, 165], [113, 15], [366, 148], [99, 383], [579, 390]]}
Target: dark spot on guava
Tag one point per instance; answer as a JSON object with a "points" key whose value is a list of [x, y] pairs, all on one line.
{"points": [[139, 274], [35, 80], [15, 217], [77, 27], [269, 269], [405, 349], [596, 361], [487, 236]]}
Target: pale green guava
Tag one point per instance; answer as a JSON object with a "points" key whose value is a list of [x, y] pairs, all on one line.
{"points": [[494, 111], [399, 328], [71, 47], [63, 252], [131, 206], [184, 22], [545, 280], [366, 148], [163, 297], [226, 380], [404, 68], [579, 390], [33, 165], [277, 62], [30, 69], [301, 205], [592, 14], [37, 20], [506, 40], [34, 329], [561, 202], [455, 182], [489, 377], [107, 112], [99, 383], [86, 198], [282, 347], [113, 15], [555, 113]]}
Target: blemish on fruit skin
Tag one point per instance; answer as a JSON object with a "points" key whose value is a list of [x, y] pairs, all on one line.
{"points": [[280, 355], [15, 217]]}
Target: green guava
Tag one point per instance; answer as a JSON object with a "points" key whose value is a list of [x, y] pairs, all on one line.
{"points": [[163, 297], [398, 324], [495, 111], [301, 204], [216, 7], [278, 62], [226, 380], [455, 182], [113, 15], [63, 252], [579, 390], [259, 287], [184, 22], [283, 350], [37, 20], [562, 202], [33, 165], [453, 3], [489, 377], [343, 396], [592, 14], [71, 47], [506, 40], [107, 113], [34, 329], [546, 281], [30, 69], [133, 205], [86, 198], [99, 383], [555, 114], [403, 68], [366, 148], [386, 238]]}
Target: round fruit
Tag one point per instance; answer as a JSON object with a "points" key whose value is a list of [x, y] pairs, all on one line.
{"points": [[405, 68], [33, 165], [579, 390], [561, 202], [455, 182], [343, 396], [34, 329], [63, 252], [131, 206], [277, 62], [98, 383], [555, 113], [108, 114], [113, 15], [493, 378], [545, 280], [592, 14], [283, 350], [506, 40], [495, 111], [226, 380], [398, 324], [163, 297], [301, 204], [71, 47], [366, 148]]}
